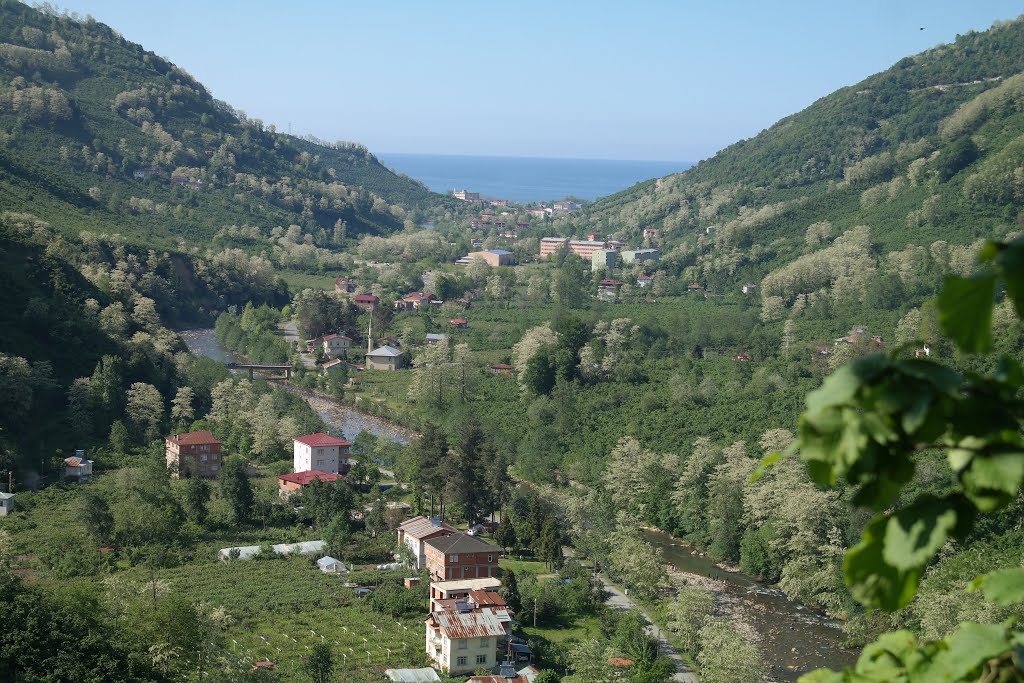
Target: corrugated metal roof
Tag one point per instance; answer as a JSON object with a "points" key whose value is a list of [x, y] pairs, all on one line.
{"points": [[457, 625], [387, 351], [421, 526], [412, 675]]}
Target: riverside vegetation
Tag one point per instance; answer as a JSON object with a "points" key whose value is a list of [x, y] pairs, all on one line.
{"points": [[888, 209]]}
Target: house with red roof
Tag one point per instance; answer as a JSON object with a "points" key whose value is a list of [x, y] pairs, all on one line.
{"points": [[501, 369], [287, 484], [321, 452], [412, 302], [458, 322], [337, 345], [77, 468], [366, 302], [193, 454]]}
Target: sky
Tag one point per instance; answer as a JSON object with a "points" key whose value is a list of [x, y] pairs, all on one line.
{"points": [[669, 80]]}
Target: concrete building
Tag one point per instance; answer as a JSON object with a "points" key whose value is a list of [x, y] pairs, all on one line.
{"points": [[449, 590], [603, 259], [287, 484], [552, 245], [640, 256], [337, 345], [461, 642], [413, 532], [494, 257], [321, 452], [460, 556], [385, 358], [193, 454]]}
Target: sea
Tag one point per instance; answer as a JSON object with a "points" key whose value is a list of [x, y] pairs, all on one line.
{"points": [[528, 179]]}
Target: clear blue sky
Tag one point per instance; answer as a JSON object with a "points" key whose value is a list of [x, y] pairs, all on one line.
{"points": [[672, 79]]}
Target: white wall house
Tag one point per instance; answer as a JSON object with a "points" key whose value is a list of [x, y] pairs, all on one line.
{"points": [[321, 452], [337, 345], [413, 532], [6, 503]]}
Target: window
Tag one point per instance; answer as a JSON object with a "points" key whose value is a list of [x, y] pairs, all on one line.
{"points": [[453, 558], [319, 451], [461, 661], [490, 559], [481, 659], [463, 644], [484, 642], [203, 457], [215, 467]]}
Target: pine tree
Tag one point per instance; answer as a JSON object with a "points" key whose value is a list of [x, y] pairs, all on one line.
{"points": [[510, 591], [236, 489]]}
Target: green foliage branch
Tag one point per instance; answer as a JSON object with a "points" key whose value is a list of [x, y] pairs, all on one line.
{"points": [[865, 425]]}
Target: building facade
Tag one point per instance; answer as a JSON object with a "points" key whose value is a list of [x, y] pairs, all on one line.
{"points": [[413, 532], [459, 556], [193, 454], [287, 484], [385, 358], [321, 452]]}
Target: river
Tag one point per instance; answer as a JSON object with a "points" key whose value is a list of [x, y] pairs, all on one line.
{"points": [[338, 417], [793, 639]]}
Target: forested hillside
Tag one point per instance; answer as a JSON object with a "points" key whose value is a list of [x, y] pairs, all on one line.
{"points": [[98, 133], [926, 155]]}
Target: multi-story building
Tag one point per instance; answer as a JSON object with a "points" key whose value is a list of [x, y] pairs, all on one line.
{"points": [[413, 532], [460, 556], [603, 259], [466, 195], [193, 454], [337, 345], [321, 452], [640, 256], [464, 639], [494, 257]]}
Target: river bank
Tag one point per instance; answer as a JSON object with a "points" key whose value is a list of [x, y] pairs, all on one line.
{"points": [[793, 638]]}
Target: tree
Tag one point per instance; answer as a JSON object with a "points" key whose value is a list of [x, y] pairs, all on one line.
{"points": [[145, 409], [97, 517], [687, 612], [319, 665], [571, 283], [236, 489], [725, 657], [182, 410], [505, 534], [80, 406], [375, 519], [510, 591], [119, 439], [194, 497]]}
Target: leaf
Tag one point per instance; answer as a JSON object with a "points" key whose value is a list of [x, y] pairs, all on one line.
{"points": [[766, 462], [993, 479], [965, 652], [874, 582], [965, 311], [1004, 587], [915, 533]]}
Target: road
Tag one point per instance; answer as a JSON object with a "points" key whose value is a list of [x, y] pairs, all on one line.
{"points": [[291, 335], [618, 600]]}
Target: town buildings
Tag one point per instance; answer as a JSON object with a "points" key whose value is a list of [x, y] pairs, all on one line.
{"points": [[603, 259], [193, 454], [640, 256], [321, 452]]}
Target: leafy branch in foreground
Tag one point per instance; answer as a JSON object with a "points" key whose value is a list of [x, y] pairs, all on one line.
{"points": [[864, 426]]}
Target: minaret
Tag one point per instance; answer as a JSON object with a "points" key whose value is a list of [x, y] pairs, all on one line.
{"points": [[369, 334]]}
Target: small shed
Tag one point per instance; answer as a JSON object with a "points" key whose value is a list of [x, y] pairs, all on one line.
{"points": [[411, 581], [329, 565], [6, 503]]}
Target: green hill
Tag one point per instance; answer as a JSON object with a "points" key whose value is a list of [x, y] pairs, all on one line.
{"points": [[83, 112], [926, 154]]}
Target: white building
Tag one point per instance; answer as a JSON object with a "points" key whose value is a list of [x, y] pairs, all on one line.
{"points": [[6, 503], [321, 452], [337, 345], [462, 642]]}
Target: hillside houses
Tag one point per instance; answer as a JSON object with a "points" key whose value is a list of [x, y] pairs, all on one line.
{"points": [[416, 300], [460, 556], [413, 532], [466, 634], [193, 454], [321, 452]]}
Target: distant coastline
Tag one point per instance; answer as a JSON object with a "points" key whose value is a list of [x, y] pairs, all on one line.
{"points": [[528, 179]]}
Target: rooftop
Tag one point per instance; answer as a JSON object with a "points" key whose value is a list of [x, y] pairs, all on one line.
{"points": [[424, 675], [320, 439], [193, 438], [459, 625], [461, 543], [418, 527], [308, 477], [466, 585], [385, 351]]}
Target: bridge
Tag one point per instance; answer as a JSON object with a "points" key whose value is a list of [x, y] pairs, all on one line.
{"points": [[253, 367]]}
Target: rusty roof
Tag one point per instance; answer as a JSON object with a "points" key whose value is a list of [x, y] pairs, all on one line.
{"points": [[458, 625], [420, 527]]}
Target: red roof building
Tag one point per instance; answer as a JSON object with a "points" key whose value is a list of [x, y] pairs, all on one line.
{"points": [[193, 454], [366, 302], [458, 322], [321, 452], [287, 484], [501, 369]]}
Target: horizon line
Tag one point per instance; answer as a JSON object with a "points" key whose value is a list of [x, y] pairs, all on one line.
{"points": [[527, 156]]}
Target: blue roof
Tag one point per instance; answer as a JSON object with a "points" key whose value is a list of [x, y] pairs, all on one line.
{"points": [[499, 252]]}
